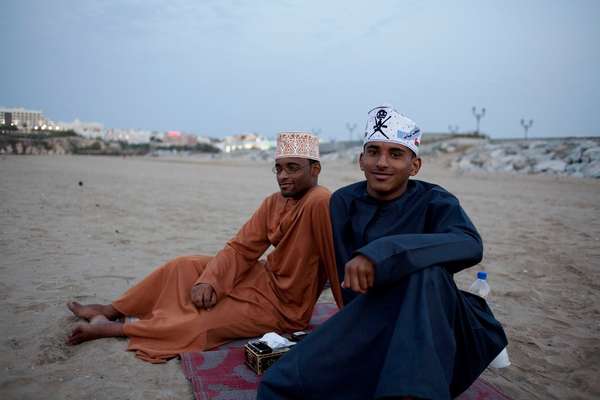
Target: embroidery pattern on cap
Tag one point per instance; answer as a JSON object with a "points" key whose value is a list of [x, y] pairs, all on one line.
{"points": [[295, 144]]}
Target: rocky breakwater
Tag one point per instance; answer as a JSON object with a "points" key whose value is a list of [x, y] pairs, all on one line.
{"points": [[21, 146], [573, 157], [43, 145]]}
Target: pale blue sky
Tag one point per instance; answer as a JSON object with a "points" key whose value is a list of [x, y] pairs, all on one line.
{"points": [[224, 67]]}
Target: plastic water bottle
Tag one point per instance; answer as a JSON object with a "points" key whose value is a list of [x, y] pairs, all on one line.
{"points": [[481, 288]]}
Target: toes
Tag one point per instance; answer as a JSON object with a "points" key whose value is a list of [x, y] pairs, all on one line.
{"points": [[71, 340], [99, 319], [76, 335], [76, 331], [74, 340], [73, 306]]}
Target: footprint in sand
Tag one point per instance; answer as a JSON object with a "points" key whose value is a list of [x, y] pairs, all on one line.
{"points": [[14, 343]]}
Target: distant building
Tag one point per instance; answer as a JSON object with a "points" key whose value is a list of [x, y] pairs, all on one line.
{"points": [[22, 118], [133, 136], [251, 141], [204, 139], [176, 138], [86, 129]]}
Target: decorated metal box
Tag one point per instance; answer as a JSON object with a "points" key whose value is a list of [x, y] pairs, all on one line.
{"points": [[259, 359]]}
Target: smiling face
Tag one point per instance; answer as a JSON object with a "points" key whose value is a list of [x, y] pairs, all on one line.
{"points": [[296, 175], [387, 167]]}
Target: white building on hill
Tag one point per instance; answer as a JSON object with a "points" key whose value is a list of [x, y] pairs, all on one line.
{"points": [[86, 129], [22, 118], [251, 141], [134, 136]]}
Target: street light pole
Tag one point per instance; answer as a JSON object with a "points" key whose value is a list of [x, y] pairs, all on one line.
{"points": [[453, 129], [526, 126], [478, 116]]}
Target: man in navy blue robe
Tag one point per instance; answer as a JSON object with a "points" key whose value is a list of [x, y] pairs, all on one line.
{"points": [[406, 330]]}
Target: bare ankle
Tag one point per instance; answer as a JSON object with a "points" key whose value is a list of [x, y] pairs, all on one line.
{"points": [[86, 332], [111, 313]]}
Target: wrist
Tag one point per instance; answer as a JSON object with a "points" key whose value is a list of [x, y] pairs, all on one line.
{"points": [[364, 257]]}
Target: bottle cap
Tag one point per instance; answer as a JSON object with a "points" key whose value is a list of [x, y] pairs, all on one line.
{"points": [[482, 275]]}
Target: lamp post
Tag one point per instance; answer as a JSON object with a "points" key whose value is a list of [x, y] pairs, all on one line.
{"points": [[453, 129], [526, 125], [478, 116]]}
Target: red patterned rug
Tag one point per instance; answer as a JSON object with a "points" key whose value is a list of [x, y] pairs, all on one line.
{"points": [[222, 374]]}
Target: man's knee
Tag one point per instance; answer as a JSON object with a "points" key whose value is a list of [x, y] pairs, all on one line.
{"points": [[197, 262], [266, 391], [281, 382], [433, 278]]}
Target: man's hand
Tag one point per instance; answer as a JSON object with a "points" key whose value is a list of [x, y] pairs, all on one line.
{"points": [[204, 296], [359, 275]]}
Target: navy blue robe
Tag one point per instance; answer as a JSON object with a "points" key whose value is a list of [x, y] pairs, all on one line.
{"points": [[414, 333]]}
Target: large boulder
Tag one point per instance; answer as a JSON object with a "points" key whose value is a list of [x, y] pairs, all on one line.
{"points": [[464, 164], [591, 170], [575, 169], [550, 166], [574, 155], [591, 154], [518, 162]]}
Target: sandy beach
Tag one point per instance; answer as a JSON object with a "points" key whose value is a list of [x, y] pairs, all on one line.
{"points": [[61, 240]]}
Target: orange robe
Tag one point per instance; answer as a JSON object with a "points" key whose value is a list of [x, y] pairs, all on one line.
{"points": [[253, 296]]}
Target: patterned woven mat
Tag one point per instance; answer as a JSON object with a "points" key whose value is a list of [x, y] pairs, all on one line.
{"points": [[222, 375]]}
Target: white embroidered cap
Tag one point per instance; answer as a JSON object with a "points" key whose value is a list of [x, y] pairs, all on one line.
{"points": [[385, 124], [297, 144]]}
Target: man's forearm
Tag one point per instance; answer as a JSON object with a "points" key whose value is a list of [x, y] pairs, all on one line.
{"points": [[400, 255]]}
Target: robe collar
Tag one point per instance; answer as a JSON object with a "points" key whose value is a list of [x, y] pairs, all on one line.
{"points": [[364, 207]]}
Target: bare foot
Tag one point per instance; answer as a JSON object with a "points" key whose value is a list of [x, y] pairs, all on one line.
{"points": [[90, 311], [86, 332], [99, 319]]}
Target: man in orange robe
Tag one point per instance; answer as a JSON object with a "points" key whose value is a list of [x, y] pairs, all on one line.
{"points": [[200, 302]]}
